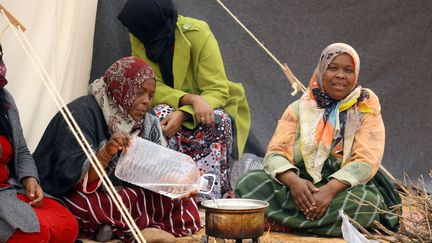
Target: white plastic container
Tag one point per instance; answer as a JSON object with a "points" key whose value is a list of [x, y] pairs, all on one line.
{"points": [[161, 170]]}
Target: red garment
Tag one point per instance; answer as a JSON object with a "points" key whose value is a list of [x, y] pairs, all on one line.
{"points": [[57, 224], [4, 174], [91, 187], [5, 156], [149, 209]]}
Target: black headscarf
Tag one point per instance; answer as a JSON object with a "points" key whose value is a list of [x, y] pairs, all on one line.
{"points": [[5, 127], [153, 22]]}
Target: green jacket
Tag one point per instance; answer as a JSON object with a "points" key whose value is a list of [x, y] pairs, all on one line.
{"points": [[198, 69]]}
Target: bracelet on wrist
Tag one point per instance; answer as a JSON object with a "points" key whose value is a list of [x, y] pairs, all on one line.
{"points": [[104, 154]]}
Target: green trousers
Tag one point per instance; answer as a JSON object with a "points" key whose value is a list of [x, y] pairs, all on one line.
{"points": [[379, 191]]}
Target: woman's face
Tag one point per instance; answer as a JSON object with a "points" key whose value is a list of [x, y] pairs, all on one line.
{"points": [[339, 77], [143, 100]]}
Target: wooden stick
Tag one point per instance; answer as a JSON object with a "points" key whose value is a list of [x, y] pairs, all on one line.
{"points": [[295, 83], [12, 19]]}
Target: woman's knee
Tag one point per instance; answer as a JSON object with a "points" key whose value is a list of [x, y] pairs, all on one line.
{"points": [[223, 126], [59, 222], [221, 117], [163, 110], [363, 207], [251, 181]]}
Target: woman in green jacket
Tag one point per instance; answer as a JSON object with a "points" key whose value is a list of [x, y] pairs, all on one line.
{"points": [[203, 113]]}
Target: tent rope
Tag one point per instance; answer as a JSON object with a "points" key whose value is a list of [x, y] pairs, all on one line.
{"points": [[75, 129], [295, 83]]}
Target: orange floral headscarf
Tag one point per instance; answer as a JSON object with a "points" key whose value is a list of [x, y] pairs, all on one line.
{"points": [[325, 121]]}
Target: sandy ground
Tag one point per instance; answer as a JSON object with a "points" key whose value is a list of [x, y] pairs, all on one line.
{"points": [[272, 237], [268, 237]]}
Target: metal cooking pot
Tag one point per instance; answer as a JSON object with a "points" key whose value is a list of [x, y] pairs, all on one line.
{"points": [[234, 218]]}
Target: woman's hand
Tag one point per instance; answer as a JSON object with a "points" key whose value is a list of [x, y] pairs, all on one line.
{"points": [[301, 190], [118, 141], [203, 111], [34, 191], [324, 197], [172, 123], [186, 196]]}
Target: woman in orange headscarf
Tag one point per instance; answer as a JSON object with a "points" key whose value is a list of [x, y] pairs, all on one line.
{"points": [[325, 153]]}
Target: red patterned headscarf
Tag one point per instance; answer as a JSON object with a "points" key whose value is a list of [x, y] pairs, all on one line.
{"points": [[117, 89], [125, 77]]}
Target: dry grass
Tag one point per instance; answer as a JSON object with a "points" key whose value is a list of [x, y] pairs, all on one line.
{"points": [[416, 219]]}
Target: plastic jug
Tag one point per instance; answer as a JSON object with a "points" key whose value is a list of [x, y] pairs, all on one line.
{"points": [[161, 170]]}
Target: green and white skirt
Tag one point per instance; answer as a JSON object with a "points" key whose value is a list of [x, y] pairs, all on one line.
{"points": [[380, 192]]}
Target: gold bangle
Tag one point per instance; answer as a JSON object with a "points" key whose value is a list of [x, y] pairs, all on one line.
{"points": [[104, 154]]}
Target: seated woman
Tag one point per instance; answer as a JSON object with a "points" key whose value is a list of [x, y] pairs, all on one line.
{"points": [[25, 215], [205, 115], [326, 149], [117, 106]]}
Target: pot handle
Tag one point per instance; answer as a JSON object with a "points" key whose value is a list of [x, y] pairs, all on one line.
{"points": [[204, 183]]}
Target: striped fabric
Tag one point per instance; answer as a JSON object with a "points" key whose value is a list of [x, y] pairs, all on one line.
{"points": [[258, 185], [148, 209]]}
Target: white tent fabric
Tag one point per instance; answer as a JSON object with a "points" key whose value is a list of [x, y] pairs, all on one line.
{"points": [[61, 33]]}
